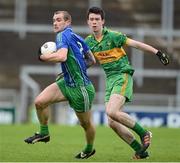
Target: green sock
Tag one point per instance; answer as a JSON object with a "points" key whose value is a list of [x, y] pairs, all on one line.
{"points": [[135, 145], [139, 130], [88, 148], [44, 129]]}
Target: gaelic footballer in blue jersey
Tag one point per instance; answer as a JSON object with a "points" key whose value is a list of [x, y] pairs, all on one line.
{"points": [[76, 87]]}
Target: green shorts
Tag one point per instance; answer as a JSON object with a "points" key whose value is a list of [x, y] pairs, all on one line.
{"points": [[80, 98], [119, 84]]}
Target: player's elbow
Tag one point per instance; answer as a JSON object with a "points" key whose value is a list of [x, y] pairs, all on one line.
{"points": [[93, 61], [63, 58], [62, 54], [90, 62]]}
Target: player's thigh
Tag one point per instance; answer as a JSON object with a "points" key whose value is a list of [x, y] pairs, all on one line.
{"points": [[116, 102], [51, 94]]}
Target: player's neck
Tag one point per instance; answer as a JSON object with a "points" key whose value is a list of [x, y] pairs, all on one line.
{"points": [[98, 36]]}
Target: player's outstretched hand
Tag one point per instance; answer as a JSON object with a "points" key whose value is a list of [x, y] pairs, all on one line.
{"points": [[164, 58]]}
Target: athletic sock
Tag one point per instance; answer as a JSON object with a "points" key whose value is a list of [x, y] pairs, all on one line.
{"points": [[88, 148], [44, 130], [139, 130], [135, 145]]}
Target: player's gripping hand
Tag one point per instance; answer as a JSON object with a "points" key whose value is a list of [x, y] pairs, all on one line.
{"points": [[39, 54], [164, 58]]}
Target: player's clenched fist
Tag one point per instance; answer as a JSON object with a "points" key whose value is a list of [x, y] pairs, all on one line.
{"points": [[164, 58]]}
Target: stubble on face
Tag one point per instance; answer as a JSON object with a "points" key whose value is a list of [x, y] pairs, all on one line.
{"points": [[59, 24]]}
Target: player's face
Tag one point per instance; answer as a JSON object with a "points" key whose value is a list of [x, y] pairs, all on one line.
{"points": [[59, 24], [95, 22]]}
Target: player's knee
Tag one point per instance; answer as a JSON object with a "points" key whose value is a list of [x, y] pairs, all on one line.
{"points": [[110, 112], [114, 115], [85, 124], [39, 103], [110, 123]]}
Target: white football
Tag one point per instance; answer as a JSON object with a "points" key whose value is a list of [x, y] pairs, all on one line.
{"points": [[48, 47]]}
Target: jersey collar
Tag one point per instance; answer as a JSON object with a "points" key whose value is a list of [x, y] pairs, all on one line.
{"points": [[104, 32], [65, 29]]}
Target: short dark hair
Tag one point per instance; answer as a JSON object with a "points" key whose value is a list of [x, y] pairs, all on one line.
{"points": [[96, 10]]}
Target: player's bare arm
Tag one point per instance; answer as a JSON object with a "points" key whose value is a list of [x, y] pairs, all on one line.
{"points": [[58, 56], [141, 46], [164, 58]]}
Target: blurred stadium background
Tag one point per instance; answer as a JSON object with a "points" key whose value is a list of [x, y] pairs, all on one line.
{"points": [[27, 24]]}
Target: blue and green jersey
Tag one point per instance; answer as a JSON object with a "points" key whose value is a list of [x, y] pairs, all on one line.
{"points": [[74, 68]]}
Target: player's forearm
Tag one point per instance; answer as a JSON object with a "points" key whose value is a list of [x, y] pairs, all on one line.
{"points": [[55, 57], [89, 59], [147, 48], [141, 46], [164, 58], [51, 58]]}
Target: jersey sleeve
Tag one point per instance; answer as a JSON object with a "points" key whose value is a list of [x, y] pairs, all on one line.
{"points": [[61, 41], [119, 39]]}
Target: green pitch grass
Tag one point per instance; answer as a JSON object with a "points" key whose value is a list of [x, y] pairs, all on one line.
{"points": [[67, 141]]}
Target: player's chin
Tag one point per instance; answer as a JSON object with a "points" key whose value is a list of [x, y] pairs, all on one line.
{"points": [[94, 29], [56, 30]]}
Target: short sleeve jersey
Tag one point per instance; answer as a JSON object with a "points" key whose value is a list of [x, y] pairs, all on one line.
{"points": [[74, 68], [109, 52]]}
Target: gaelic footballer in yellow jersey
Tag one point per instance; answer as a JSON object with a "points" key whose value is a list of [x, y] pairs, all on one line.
{"points": [[107, 47]]}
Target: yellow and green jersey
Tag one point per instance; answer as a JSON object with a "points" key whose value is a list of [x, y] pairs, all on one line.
{"points": [[109, 52]]}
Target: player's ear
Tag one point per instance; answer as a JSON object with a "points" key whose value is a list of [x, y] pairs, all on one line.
{"points": [[68, 22], [88, 21], [103, 22]]}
